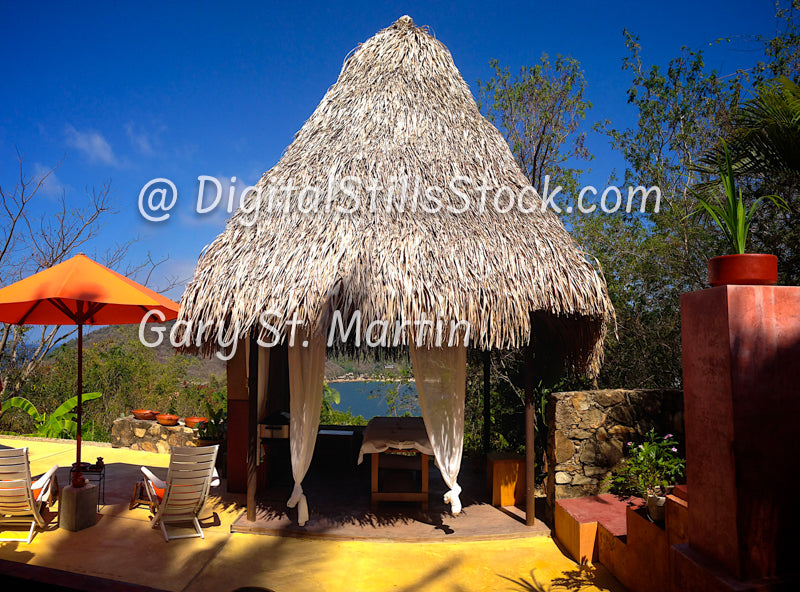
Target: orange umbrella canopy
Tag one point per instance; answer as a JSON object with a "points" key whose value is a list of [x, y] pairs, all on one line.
{"points": [[80, 291]]}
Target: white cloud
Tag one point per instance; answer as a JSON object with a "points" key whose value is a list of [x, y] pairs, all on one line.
{"points": [[52, 186], [139, 140], [94, 146]]}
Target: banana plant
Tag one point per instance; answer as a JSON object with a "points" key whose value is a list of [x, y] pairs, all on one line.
{"points": [[60, 422]]}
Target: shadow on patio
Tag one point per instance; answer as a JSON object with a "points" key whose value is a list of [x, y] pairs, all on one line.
{"points": [[122, 552], [338, 494]]}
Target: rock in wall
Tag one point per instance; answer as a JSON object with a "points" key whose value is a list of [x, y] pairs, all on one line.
{"points": [[587, 432], [142, 434]]}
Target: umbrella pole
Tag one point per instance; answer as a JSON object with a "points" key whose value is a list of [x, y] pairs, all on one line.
{"points": [[77, 477]]}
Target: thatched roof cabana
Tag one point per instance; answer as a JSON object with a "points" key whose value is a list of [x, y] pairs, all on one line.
{"points": [[397, 203], [400, 108]]}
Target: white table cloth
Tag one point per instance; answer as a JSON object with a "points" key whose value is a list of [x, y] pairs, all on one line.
{"points": [[401, 433]]}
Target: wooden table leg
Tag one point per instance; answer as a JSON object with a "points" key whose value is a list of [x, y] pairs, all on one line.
{"points": [[135, 496], [425, 465], [55, 492], [374, 488]]}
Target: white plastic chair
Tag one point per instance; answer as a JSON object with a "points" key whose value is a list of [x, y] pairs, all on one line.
{"points": [[181, 497], [18, 504]]}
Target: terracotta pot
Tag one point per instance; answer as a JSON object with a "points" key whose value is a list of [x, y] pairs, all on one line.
{"points": [[748, 269], [167, 419], [203, 442], [192, 421], [144, 414], [655, 507]]}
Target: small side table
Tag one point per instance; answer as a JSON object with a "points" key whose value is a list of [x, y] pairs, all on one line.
{"points": [[97, 475], [505, 477]]}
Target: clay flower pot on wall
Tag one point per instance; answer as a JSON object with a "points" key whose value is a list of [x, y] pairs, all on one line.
{"points": [[744, 269], [167, 419], [193, 421], [144, 414]]}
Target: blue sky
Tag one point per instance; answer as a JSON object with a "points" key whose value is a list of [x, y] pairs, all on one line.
{"points": [[179, 90]]}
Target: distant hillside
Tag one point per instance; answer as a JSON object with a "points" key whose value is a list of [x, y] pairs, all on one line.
{"points": [[201, 369]]}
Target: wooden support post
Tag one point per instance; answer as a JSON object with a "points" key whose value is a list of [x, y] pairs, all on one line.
{"points": [[530, 423], [252, 429], [487, 407], [425, 478], [237, 419], [262, 403]]}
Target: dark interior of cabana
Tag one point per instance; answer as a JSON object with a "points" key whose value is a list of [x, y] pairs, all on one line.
{"points": [[258, 463]]}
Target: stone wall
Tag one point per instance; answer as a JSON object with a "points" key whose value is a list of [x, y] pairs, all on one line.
{"points": [[587, 431], [143, 434]]}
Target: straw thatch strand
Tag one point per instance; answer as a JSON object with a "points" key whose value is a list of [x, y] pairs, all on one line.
{"points": [[400, 120]]}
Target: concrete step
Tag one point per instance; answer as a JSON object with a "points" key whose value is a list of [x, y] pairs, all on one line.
{"points": [[576, 522]]}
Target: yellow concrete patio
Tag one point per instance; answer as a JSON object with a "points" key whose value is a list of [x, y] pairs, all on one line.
{"points": [[123, 547]]}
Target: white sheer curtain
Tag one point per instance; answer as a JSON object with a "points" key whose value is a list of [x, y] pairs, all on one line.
{"points": [[440, 375], [306, 375]]}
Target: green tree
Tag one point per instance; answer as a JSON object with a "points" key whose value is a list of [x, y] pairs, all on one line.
{"points": [[131, 376], [399, 399], [765, 135], [30, 243], [782, 51], [540, 113], [649, 259], [330, 397]]}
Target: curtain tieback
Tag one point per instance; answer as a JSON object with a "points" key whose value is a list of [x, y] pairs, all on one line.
{"points": [[451, 497], [298, 497]]}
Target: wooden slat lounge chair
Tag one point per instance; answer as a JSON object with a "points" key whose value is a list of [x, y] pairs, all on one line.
{"points": [[181, 497], [20, 498]]}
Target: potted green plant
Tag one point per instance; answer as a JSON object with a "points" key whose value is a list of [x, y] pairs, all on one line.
{"points": [[649, 470], [213, 430], [733, 217]]}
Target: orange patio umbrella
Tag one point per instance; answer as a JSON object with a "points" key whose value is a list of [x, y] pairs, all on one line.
{"points": [[80, 292]]}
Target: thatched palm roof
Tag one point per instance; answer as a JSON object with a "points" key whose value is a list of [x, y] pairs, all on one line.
{"points": [[401, 108]]}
